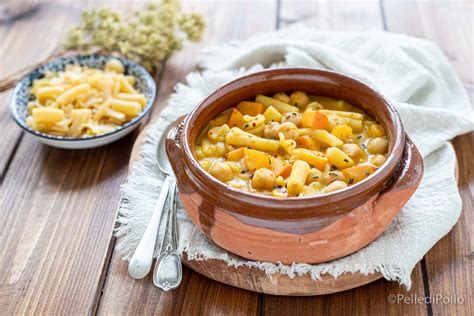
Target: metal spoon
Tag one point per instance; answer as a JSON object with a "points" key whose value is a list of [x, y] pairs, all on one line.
{"points": [[168, 270], [140, 264]]}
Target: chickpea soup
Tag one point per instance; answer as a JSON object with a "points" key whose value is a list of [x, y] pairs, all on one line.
{"points": [[292, 145]]}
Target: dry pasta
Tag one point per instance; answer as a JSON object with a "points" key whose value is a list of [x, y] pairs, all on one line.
{"points": [[82, 101]]}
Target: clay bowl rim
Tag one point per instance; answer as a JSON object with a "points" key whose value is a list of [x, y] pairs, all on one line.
{"points": [[382, 175]]}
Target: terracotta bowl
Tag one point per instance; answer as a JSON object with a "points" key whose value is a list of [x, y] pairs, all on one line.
{"points": [[303, 229]]}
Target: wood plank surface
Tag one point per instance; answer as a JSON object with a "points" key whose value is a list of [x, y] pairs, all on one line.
{"points": [[21, 37], [197, 294], [449, 263], [58, 207]]}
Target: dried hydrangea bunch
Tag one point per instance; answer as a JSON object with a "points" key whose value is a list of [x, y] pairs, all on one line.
{"points": [[151, 35]]}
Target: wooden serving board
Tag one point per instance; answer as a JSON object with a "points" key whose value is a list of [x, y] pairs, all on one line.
{"points": [[256, 280]]}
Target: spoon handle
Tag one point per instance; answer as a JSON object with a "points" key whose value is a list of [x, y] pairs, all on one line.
{"points": [[168, 270], [140, 264]]}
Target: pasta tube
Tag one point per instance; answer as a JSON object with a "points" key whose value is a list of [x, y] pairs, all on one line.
{"points": [[339, 105], [73, 93], [352, 115], [355, 124], [130, 108], [237, 137], [338, 158], [59, 128], [79, 118], [125, 86], [297, 179], [280, 106], [272, 115], [48, 92], [140, 98], [314, 158], [322, 136], [118, 117], [47, 115]]}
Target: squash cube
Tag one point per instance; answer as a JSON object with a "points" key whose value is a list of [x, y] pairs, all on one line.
{"points": [[338, 158], [272, 115], [236, 119], [314, 119], [306, 142], [280, 167], [358, 173], [235, 155], [314, 158], [250, 108], [255, 159]]}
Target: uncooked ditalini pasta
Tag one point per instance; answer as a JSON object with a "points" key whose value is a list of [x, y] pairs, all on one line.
{"points": [[82, 101]]}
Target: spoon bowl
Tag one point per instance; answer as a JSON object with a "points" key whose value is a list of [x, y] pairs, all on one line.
{"points": [[162, 160]]}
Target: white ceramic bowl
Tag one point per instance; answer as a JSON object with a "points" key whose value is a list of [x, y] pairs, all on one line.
{"points": [[21, 95]]}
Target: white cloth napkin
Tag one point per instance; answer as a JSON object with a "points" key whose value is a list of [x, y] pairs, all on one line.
{"points": [[412, 73]]}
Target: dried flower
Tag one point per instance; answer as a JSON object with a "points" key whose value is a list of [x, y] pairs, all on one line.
{"points": [[150, 36]]}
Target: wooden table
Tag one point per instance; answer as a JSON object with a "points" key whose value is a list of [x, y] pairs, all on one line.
{"points": [[58, 207]]}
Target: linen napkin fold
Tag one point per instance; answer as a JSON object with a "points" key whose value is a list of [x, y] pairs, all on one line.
{"points": [[413, 73]]}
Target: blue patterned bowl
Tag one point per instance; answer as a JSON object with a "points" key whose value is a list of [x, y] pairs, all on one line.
{"points": [[22, 95]]}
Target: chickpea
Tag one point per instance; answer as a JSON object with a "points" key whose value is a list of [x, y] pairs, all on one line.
{"points": [[313, 189], [228, 147], [235, 167], [299, 99], [333, 176], [292, 117], [315, 175], [198, 152], [217, 134], [283, 97], [289, 130], [377, 160], [243, 176], [206, 164], [336, 185], [352, 150], [281, 193], [239, 184], [263, 179], [378, 145], [280, 181], [213, 150], [253, 122], [219, 149], [213, 133], [221, 171], [271, 130]]}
